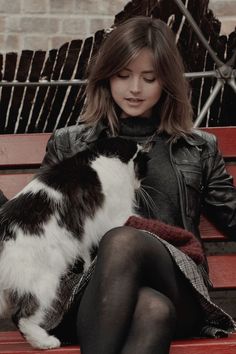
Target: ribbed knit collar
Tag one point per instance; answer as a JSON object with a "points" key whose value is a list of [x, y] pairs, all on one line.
{"points": [[138, 126]]}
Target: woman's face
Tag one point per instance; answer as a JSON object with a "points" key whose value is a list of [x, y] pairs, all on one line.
{"points": [[136, 89]]}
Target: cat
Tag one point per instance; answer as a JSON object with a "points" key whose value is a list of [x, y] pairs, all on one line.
{"points": [[56, 220]]}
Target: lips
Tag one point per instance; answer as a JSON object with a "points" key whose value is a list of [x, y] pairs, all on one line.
{"points": [[134, 100]]}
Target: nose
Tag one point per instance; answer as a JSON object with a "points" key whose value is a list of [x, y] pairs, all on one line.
{"points": [[135, 85]]}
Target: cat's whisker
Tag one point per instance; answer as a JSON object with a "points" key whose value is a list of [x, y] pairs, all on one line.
{"points": [[150, 187], [147, 200]]}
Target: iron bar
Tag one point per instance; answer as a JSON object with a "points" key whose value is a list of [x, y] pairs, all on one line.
{"points": [[76, 82], [232, 83], [224, 73], [200, 74], [13, 83], [219, 84], [198, 32]]}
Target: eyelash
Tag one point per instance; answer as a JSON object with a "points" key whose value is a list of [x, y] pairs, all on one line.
{"points": [[122, 76], [149, 80], [126, 76]]}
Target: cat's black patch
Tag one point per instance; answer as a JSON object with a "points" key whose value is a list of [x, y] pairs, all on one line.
{"points": [[141, 164], [28, 211], [71, 175], [80, 187], [25, 305], [122, 148]]}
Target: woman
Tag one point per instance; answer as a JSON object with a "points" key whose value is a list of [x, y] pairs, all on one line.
{"points": [[144, 292]]}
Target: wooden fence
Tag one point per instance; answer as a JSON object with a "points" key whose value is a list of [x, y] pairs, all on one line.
{"points": [[46, 107]]}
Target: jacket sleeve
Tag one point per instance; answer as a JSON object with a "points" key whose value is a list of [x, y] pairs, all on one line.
{"points": [[219, 192], [51, 156], [68, 141]]}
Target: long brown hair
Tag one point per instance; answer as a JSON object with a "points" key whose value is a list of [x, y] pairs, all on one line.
{"points": [[122, 45]]}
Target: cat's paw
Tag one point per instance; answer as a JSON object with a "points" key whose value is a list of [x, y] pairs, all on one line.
{"points": [[36, 335], [47, 343]]}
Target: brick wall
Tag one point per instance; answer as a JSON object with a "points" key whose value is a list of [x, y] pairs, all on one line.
{"points": [[225, 11], [46, 24]]}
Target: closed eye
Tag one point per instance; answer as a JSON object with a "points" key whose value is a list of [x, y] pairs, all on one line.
{"points": [[123, 76], [149, 79]]}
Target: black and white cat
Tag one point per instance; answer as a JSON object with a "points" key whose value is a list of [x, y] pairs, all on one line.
{"points": [[56, 220]]}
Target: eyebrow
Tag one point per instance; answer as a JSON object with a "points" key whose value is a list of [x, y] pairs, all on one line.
{"points": [[143, 72]]}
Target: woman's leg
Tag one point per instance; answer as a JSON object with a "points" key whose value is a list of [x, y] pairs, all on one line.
{"points": [[153, 324], [127, 263]]}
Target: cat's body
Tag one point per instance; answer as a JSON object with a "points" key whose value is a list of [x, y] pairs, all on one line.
{"points": [[55, 221]]}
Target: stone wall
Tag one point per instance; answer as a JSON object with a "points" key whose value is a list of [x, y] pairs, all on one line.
{"points": [[46, 24], [225, 10]]}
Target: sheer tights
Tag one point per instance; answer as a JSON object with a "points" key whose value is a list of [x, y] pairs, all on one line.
{"points": [[137, 300]]}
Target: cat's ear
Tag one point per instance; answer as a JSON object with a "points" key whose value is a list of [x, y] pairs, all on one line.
{"points": [[141, 164], [122, 148]]}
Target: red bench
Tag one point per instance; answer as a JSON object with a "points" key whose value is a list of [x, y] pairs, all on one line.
{"points": [[21, 155]]}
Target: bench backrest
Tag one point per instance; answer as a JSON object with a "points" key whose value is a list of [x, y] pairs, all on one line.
{"points": [[22, 154]]}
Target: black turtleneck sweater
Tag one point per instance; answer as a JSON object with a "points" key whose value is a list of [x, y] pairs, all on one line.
{"points": [[161, 183]]}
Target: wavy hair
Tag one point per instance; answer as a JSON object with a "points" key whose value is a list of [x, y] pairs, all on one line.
{"points": [[121, 46]]}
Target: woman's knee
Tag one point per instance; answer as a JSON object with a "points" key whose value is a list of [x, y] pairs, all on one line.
{"points": [[121, 241], [117, 253], [155, 310]]}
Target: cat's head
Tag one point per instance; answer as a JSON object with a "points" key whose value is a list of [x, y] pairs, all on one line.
{"points": [[129, 152]]}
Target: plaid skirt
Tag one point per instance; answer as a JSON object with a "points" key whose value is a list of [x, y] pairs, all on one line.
{"points": [[216, 323]]}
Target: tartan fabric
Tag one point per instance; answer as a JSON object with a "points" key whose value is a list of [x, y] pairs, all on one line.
{"points": [[217, 322]]}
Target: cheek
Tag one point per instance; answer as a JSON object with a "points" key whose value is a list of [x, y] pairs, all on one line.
{"points": [[156, 93], [116, 88]]}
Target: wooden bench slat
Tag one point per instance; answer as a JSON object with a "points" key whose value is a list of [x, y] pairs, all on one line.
{"points": [[11, 337], [23, 348], [11, 184], [226, 139], [209, 232], [12, 342], [223, 271], [22, 149], [231, 169], [201, 346]]}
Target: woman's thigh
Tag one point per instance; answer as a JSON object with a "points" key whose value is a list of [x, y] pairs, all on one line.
{"points": [[126, 250]]}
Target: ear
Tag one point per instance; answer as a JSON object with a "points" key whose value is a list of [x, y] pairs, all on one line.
{"points": [[116, 146]]}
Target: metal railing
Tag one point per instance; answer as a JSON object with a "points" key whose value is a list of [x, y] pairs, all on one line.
{"points": [[224, 73]]}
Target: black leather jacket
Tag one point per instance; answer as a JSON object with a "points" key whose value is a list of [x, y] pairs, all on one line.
{"points": [[203, 182]]}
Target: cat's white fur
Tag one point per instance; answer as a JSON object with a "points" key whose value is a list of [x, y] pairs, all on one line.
{"points": [[35, 264]]}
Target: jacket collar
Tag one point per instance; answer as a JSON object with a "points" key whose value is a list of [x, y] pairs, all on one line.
{"points": [[195, 139], [101, 129]]}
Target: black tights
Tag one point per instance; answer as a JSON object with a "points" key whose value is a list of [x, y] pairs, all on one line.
{"points": [[137, 300]]}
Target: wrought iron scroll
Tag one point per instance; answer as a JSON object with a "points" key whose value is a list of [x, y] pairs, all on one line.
{"points": [[42, 91], [224, 72]]}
